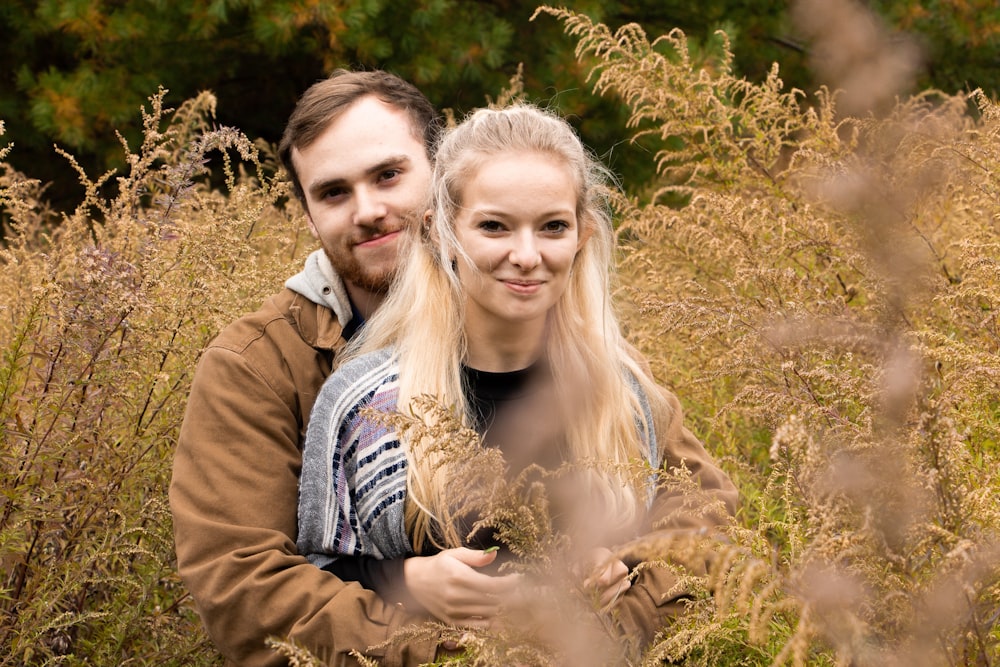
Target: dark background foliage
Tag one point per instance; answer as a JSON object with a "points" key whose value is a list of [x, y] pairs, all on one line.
{"points": [[73, 72]]}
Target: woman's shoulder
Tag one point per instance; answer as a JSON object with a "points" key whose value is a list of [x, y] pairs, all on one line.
{"points": [[362, 365], [358, 377]]}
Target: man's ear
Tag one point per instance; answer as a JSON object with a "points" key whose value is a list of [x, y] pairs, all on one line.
{"points": [[312, 225]]}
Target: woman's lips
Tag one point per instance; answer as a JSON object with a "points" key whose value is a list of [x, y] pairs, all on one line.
{"points": [[523, 286]]}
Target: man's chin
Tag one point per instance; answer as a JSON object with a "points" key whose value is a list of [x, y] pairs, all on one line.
{"points": [[374, 283], [354, 272]]}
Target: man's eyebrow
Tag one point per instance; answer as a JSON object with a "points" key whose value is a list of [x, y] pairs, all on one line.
{"points": [[380, 166], [391, 161]]}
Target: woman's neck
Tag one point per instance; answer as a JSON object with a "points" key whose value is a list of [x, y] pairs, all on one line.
{"points": [[499, 351]]}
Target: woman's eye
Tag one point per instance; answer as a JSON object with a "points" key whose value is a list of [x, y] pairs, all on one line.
{"points": [[389, 174], [556, 226], [490, 226]]}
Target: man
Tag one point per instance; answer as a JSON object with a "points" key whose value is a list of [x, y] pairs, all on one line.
{"points": [[357, 148]]}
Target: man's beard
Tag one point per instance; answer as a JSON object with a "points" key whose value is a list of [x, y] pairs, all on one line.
{"points": [[351, 271]]}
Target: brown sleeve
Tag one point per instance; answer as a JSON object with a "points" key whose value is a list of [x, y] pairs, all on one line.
{"points": [[679, 526], [234, 496], [649, 606], [674, 507]]}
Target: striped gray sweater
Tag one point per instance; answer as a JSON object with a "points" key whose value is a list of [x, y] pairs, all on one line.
{"points": [[352, 488]]}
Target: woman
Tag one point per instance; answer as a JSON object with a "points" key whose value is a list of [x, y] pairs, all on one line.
{"points": [[503, 314]]}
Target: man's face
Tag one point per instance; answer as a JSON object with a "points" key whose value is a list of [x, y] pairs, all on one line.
{"points": [[364, 178]]}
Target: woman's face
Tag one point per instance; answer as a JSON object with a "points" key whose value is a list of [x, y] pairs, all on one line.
{"points": [[517, 224]]}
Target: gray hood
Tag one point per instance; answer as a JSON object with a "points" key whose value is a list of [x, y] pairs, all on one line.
{"points": [[319, 283]]}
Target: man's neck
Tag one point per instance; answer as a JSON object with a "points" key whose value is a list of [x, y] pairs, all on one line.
{"points": [[364, 301]]}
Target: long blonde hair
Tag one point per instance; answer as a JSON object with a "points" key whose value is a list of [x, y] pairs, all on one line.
{"points": [[423, 319]]}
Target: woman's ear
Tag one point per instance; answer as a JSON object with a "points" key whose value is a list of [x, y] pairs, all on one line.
{"points": [[430, 236]]}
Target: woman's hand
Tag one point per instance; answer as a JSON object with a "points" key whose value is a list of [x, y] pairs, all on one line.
{"points": [[607, 577], [451, 589]]}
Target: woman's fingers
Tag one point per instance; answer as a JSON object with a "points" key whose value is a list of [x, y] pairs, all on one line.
{"points": [[450, 588], [608, 576]]}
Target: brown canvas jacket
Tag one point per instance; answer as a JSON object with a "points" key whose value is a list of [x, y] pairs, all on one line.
{"points": [[234, 497], [653, 599]]}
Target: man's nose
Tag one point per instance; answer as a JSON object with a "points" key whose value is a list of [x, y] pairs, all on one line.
{"points": [[369, 206]]}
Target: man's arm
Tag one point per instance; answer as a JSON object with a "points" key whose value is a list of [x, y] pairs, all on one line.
{"points": [[673, 507], [234, 496], [678, 512]]}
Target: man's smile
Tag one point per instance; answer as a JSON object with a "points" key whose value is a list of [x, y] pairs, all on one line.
{"points": [[379, 240]]}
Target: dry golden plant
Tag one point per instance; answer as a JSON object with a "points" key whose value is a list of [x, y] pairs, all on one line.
{"points": [[561, 623], [104, 314], [817, 278]]}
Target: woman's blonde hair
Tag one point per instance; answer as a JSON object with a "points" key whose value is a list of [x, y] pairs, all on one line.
{"points": [[423, 318]]}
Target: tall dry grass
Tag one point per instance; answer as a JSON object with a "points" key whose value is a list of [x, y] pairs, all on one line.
{"points": [[103, 315], [827, 302], [817, 278]]}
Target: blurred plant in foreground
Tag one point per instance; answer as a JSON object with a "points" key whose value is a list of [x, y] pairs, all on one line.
{"points": [[829, 286]]}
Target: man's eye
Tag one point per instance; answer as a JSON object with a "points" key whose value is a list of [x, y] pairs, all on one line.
{"points": [[334, 193], [389, 174]]}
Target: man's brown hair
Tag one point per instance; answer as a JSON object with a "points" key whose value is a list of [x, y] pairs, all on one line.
{"points": [[326, 100]]}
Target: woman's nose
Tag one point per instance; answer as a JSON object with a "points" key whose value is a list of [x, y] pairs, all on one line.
{"points": [[524, 252]]}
